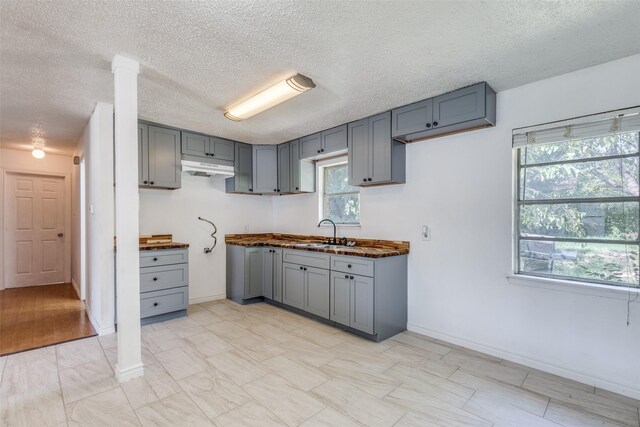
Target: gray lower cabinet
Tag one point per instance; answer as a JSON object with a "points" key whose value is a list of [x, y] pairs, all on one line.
{"points": [[284, 168], [265, 169], [352, 301], [464, 109], [158, 157], [242, 181], [302, 172], [253, 273], [272, 273], [374, 157], [316, 291], [164, 284], [293, 285]]}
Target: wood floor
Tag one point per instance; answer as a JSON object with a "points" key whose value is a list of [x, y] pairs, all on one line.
{"points": [[39, 316]]}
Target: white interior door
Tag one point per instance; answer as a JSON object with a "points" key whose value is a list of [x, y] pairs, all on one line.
{"points": [[34, 230]]}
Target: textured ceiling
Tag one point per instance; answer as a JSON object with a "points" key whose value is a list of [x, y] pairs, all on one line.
{"points": [[365, 57]]}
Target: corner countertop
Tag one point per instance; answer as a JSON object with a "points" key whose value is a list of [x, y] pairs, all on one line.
{"points": [[156, 242], [368, 248]]}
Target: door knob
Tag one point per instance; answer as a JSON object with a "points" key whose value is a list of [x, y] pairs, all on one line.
{"points": [[60, 234]]}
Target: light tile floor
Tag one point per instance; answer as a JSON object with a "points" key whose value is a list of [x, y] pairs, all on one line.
{"points": [[257, 365]]}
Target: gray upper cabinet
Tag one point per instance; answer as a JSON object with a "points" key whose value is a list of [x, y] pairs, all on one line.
{"points": [[198, 145], [464, 109], [143, 150], [194, 144], [221, 149], [284, 168], [334, 140], [374, 157], [310, 145], [164, 157], [412, 118], [302, 172], [265, 169], [242, 181]]}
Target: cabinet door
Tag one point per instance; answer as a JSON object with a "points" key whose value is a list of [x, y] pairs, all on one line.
{"points": [[143, 154], [340, 298], [243, 168], [295, 166], [277, 275], [361, 310], [358, 137], [252, 272], [221, 148], [267, 273], [316, 295], [379, 148], [293, 285], [284, 166], [310, 146], [164, 157], [459, 106], [412, 118], [194, 144], [265, 168], [334, 139]]}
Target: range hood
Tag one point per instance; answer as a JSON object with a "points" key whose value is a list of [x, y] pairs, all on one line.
{"points": [[206, 169]]}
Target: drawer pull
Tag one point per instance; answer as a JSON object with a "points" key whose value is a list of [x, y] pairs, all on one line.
{"points": [[346, 276], [155, 304], [348, 265], [351, 277], [155, 259], [155, 279]]}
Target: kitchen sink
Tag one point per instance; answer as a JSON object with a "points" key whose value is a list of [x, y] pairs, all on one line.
{"points": [[314, 245]]}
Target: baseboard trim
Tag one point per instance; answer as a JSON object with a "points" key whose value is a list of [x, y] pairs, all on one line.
{"points": [[207, 299], [125, 375], [76, 287], [603, 383], [111, 329]]}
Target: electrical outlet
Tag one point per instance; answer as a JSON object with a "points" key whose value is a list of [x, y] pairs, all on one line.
{"points": [[426, 233]]}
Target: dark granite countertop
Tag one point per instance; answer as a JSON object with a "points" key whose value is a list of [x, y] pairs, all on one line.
{"points": [[369, 248]]}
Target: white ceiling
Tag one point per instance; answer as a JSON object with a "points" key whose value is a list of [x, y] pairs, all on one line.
{"points": [[365, 57]]}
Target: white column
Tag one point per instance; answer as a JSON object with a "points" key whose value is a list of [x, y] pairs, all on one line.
{"points": [[125, 79]]}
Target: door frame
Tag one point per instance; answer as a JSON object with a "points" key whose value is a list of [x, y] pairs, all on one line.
{"points": [[67, 217]]}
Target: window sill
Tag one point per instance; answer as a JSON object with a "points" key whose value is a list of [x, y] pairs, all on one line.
{"points": [[339, 226], [585, 288]]}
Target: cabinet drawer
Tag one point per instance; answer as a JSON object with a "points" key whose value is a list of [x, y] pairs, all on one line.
{"points": [[163, 277], [352, 265], [307, 258], [165, 301], [163, 257]]}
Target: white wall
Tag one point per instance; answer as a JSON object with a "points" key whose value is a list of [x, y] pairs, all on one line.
{"points": [[16, 160], [95, 148], [461, 186], [177, 211]]}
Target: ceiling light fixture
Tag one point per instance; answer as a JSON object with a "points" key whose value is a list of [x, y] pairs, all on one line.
{"points": [[38, 148], [270, 97]]}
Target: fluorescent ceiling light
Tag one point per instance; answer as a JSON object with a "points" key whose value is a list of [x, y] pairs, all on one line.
{"points": [[270, 97]]}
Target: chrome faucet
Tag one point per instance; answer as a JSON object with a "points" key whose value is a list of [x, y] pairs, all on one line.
{"points": [[335, 240]]}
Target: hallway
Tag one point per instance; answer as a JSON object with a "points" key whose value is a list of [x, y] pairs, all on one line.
{"points": [[39, 316]]}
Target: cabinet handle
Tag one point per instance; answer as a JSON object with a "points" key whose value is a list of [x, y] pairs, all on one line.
{"points": [[301, 268], [155, 304], [275, 191], [348, 265], [155, 279], [351, 277], [155, 259], [318, 151], [145, 182], [322, 150], [305, 269], [346, 276], [368, 179], [435, 123], [151, 183], [428, 125], [297, 188], [364, 179], [251, 189]]}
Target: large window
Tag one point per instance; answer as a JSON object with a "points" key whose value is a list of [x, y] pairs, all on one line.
{"points": [[578, 201], [340, 201]]}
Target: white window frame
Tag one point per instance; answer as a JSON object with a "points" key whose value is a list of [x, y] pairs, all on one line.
{"points": [[573, 285], [320, 166]]}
